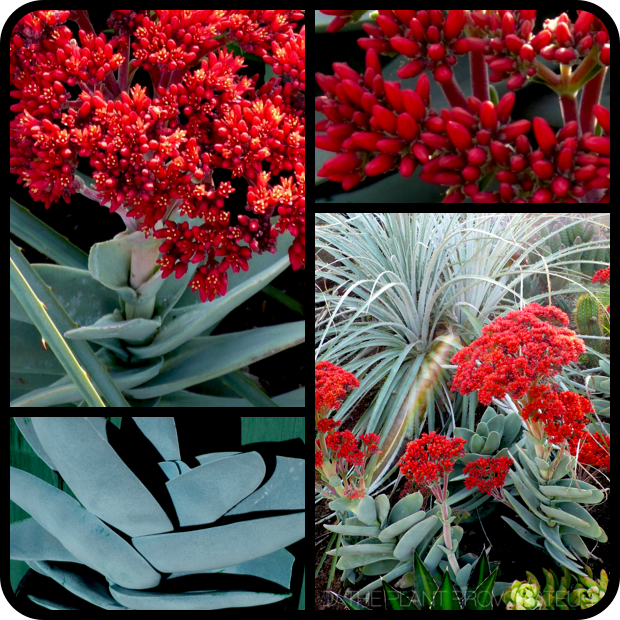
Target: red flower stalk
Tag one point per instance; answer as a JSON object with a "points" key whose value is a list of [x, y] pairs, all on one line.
{"points": [[155, 156], [515, 352], [488, 475], [428, 460]]}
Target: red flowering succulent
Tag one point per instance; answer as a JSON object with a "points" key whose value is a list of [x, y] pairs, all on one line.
{"points": [[154, 153], [375, 126], [514, 356], [563, 414], [515, 352], [337, 451], [428, 461]]}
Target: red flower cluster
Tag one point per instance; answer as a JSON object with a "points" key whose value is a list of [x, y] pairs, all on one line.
{"points": [[563, 414], [346, 446], [327, 425], [594, 450], [488, 475], [331, 386], [430, 458], [602, 276], [514, 352], [432, 41], [155, 155], [376, 127]]}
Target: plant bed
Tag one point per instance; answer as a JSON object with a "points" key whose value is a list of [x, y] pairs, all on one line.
{"points": [[497, 492]]}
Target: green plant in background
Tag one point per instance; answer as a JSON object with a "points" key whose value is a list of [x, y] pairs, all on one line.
{"points": [[592, 316], [570, 591], [575, 234], [474, 591]]}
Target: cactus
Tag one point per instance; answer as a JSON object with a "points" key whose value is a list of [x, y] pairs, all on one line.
{"points": [[569, 592], [591, 319], [380, 542], [149, 532], [578, 233]]}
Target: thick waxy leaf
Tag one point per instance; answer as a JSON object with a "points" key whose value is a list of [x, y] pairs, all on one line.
{"points": [[566, 493], [203, 359], [205, 493], [283, 491], [398, 528], [552, 534], [492, 443], [361, 549], [406, 507], [82, 533], [31, 541], [525, 534], [563, 517], [563, 560], [414, 537], [99, 478], [227, 544], [162, 433], [353, 530], [367, 511], [219, 599], [383, 508], [89, 587]]}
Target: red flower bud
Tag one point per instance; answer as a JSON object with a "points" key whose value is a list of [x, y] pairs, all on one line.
{"points": [[460, 137], [454, 24], [384, 118], [545, 136], [380, 165], [404, 46], [415, 67]]}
